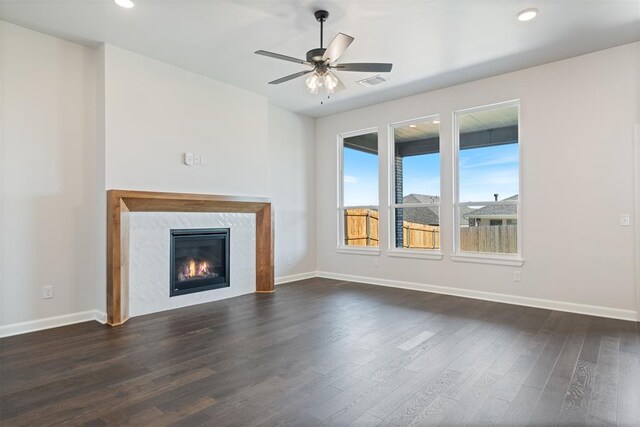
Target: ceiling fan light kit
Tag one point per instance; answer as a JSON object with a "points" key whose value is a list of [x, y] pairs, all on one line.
{"points": [[323, 61]]}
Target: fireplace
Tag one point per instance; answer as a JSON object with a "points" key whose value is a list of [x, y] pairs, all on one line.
{"points": [[199, 260]]}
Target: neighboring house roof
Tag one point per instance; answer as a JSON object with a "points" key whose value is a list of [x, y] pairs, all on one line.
{"points": [[495, 211], [420, 198], [427, 216], [464, 210]]}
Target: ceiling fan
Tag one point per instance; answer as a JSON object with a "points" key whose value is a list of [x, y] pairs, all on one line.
{"points": [[323, 62]]}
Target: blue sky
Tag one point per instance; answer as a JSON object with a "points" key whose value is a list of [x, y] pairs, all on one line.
{"points": [[360, 178], [483, 172], [488, 170]]}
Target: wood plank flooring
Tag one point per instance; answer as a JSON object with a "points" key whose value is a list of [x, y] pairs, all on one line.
{"points": [[324, 352]]}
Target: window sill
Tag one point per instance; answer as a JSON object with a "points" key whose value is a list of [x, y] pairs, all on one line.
{"points": [[415, 253], [511, 260], [364, 250]]}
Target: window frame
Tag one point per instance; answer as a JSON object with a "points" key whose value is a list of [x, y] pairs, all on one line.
{"points": [[341, 247], [485, 257], [392, 250]]}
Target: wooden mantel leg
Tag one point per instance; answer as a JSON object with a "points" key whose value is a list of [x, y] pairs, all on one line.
{"points": [[117, 312], [264, 251]]}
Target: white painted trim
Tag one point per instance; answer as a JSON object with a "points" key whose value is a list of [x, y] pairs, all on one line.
{"points": [[569, 307], [391, 183], [340, 178], [488, 259], [456, 172], [415, 253], [636, 225], [359, 250], [101, 317], [51, 322], [98, 315], [294, 277]]}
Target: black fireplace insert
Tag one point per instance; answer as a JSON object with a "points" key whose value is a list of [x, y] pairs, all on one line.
{"points": [[199, 260]]}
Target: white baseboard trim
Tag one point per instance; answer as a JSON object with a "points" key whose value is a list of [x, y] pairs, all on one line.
{"points": [[98, 315], [101, 316], [294, 277], [592, 310], [51, 322]]}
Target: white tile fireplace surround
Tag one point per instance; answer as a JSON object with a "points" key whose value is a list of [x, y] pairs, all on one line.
{"points": [[149, 241]]}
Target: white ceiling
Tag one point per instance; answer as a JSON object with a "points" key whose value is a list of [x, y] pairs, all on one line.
{"points": [[432, 43]]}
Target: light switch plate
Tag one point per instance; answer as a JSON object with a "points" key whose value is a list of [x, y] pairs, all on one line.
{"points": [[625, 220], [188, 159]]}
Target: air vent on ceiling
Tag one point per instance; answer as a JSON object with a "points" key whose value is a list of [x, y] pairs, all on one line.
{"points": [[372, 81]]}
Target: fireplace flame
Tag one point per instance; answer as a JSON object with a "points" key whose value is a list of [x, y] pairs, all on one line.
{"points": [[203, 268], [194, 269]]}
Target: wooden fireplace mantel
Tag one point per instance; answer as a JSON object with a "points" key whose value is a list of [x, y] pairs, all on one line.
{"points": [[121, 201]]}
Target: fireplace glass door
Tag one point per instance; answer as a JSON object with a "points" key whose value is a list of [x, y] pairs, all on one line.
{"points": [[199, 260]]}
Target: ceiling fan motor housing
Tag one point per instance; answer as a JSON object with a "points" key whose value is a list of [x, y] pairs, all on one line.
{"points": [[315, 55], [322, 65]]}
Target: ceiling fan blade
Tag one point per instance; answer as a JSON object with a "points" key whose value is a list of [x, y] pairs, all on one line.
{"points": [[338, 45], [283, 57], [289, 77], [372, 67]]}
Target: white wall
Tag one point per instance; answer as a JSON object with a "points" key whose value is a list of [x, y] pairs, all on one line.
{"points": [[292, 187], [577, 119], [48, 176], [77, 121], [155, 112], [57, 161]]}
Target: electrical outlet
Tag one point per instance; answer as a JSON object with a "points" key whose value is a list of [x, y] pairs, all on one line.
{"points": [[625, 220], [517, 276], [196, 158], [47, 292], [288, 260], [375, 262], [188, 159]]}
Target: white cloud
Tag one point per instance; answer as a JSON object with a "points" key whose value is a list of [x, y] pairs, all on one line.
{"points": [[496, 161]]}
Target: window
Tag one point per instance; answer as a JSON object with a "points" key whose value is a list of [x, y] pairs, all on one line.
{"points": [[358, 202], [415, 184], [487, 157]]}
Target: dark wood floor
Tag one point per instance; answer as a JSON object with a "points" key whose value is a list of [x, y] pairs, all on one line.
{"points": [[327, 352]]}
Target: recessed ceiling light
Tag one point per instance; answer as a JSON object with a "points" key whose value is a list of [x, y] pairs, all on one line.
{"points": [[413, 126], [128, 4], [435, 122], [527, 14]]}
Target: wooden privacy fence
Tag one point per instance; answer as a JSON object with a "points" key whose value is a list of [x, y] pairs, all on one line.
{"points": [[420, 236], [491, 238], [361, 229]]}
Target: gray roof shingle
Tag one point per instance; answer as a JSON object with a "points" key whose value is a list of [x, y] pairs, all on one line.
{"points": [[428, 215], [499, 211]]}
